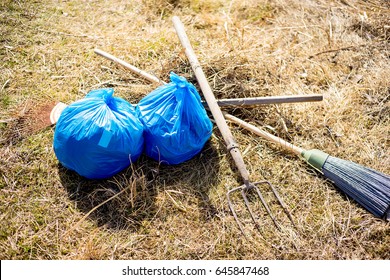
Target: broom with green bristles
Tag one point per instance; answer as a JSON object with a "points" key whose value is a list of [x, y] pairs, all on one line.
{"points": [[368, 187]]}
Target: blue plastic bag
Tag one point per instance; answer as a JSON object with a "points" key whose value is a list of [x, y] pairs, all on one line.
{"points": [[175, 121], [98, 136]]}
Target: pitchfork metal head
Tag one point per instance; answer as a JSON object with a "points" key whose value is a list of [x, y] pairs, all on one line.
{"points": [[244, 190]]}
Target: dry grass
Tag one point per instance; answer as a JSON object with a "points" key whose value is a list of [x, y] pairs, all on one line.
{"points": [[247, 48]]}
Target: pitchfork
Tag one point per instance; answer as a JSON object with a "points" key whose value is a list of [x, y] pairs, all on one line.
{"points": [[231, 144]]}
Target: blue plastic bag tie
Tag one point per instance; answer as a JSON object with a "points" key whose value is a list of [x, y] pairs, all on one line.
{"points": [[105, 139], [104, 93], [180, 81]]}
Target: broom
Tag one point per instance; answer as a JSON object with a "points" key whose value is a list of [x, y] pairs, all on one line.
{"points": [[368, 187]]}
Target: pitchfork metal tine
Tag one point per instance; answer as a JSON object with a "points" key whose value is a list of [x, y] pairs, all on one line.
{"points": [[279, 200], [231, 207], [249, 186], [243, 194], [264, 204]]}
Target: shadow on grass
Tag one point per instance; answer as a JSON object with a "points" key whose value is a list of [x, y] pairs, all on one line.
{"points": [[139, 186]]}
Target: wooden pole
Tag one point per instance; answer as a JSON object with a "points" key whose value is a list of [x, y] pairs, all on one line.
{"points": [[248, 101], [132, 68], [208, 94], [264, 100], [272, 138]]}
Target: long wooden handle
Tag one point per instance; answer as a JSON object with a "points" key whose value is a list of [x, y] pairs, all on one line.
{"points": [[274, 139], [211, 101], [264, 100], [248, 101], [130, 67]]}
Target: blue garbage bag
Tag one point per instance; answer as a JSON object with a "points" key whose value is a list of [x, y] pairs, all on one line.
{"points": [[175, 121], [99, 135]]}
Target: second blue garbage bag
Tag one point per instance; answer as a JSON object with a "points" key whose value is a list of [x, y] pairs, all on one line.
{"points": [[175, 122], [99, 135]]}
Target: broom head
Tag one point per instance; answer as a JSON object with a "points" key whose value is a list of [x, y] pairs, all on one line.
{"points": [[368, 187]]}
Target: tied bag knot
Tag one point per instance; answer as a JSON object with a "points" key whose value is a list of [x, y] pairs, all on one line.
{"points": [[175, 121]]}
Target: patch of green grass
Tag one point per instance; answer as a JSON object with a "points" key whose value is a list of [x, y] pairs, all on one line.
{"points": [[5, 102], [256, 13], [204, 6]]}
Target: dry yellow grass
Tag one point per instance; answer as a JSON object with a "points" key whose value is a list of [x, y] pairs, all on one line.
{"points": [[247, 48]]}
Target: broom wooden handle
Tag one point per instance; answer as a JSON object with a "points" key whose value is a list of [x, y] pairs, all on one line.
{"points": [[272, 138]]}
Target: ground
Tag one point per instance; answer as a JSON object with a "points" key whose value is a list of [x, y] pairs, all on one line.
{"points": [[249, 48]]}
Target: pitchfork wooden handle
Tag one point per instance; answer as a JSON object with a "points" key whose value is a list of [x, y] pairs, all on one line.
{"points": [[210, 99]]}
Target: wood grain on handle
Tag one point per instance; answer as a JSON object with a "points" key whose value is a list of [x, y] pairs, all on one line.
{"points": [[272, 138], [130, 67], [208, 94]]}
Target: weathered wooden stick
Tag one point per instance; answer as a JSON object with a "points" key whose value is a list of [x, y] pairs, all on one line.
{"points": [[132, 68], [264, 100], [272, 138], [249, 101], [208, 94]]}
